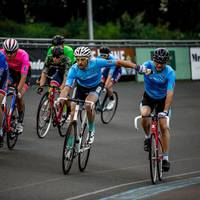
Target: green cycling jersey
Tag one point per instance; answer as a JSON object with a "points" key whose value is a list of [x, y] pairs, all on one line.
{"points": [[63, 64], [68, 51]]}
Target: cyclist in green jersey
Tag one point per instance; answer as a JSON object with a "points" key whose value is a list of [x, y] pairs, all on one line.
{"points": [[58, 40]]}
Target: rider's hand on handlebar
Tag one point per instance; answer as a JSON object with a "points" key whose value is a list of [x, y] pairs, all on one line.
{"points": [[39, 90]]}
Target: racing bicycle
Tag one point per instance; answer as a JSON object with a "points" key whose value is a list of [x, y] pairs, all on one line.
{"points": [[155, 148], [77, 138]]}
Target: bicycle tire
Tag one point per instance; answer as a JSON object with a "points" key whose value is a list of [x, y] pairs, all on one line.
{"points": [[153, 158], [160, 159], [12, 135], [69, 148], [42, 129], [107, 115], [63, 125], [84, 153]]}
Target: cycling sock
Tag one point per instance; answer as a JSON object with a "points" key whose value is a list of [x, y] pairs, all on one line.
{"points": [[1, 132], [21, 116], [91, 126], [165, 156]]}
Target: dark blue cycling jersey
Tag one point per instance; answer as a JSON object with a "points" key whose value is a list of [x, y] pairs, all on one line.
{"points": [[91, 76], [158, 83], [3, 71], [113, 70]]}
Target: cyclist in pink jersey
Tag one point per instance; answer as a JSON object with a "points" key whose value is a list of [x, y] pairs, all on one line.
{"points": [[19, 73]]}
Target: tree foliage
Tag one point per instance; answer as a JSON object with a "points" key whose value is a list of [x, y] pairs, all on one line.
{"points": [[113, 19]]}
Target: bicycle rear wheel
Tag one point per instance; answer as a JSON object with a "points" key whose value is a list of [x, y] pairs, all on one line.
{"points": [[108, 114], [69, 148], [153, 159], [84, 153], [12, 135], [160, 159], [43, 121]]}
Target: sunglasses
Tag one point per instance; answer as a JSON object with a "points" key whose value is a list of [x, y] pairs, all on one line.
{"points": [[81, 59], [103, 55], [10, 52]]}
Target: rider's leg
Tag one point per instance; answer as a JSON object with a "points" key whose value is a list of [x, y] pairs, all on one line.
{"points": [[165, 137], [145, 122], [1, 118], [90, 111], [109, 86]]}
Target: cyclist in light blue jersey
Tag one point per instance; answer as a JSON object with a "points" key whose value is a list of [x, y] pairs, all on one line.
{"points": [[87, 74], [3, 84], [110, 76], [158, 95]]}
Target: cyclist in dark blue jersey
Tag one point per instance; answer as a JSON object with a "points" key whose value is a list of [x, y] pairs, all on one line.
{"points": [[110, 76], [3, 80], [158, 95], [87, 74]]}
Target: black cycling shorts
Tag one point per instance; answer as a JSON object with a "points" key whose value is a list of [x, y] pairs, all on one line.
{"points": [[157, 104], [83, 92]]}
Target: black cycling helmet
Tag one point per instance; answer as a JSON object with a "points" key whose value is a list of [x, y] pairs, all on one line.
{"points": [[57, 51], [104, 50], [161, 55], [57, 40]]}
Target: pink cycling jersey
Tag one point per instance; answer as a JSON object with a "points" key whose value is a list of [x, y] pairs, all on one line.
{"points": [[20, 62]]}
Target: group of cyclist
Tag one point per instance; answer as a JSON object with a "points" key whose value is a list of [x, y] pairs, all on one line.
{"points": [[90, 74]]}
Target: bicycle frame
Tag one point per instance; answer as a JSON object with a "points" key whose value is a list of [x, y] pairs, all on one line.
{"points": [[7, 125], [53, 90], [78, 109]]}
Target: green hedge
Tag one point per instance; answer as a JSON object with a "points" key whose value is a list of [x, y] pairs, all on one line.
{"points": [[125, 28]]}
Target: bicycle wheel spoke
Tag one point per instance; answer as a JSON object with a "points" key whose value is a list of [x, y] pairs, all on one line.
{"points": [[69, 148], [64, 122], [108, 114], [84, 153], [160, 158], [43, 117], [153, 159], [12, 135]]}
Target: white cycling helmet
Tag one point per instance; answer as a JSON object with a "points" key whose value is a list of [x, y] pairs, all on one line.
{"points": [[10, 45], [82, 51]]}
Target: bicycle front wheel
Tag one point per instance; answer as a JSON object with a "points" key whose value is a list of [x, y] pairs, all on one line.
{"points": [[43, 121], [12, 135], [84, 153], [64, 123], [69, 147], [153, 159], [108, 114]]}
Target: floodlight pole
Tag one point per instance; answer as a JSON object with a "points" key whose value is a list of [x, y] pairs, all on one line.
{"points": [[90, 19]]}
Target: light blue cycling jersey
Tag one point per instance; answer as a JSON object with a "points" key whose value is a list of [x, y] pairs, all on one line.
{"points": [[91, 76], [158, 83]]}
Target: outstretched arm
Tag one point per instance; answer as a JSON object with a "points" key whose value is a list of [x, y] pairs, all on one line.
{"points": [[128, 64]]}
